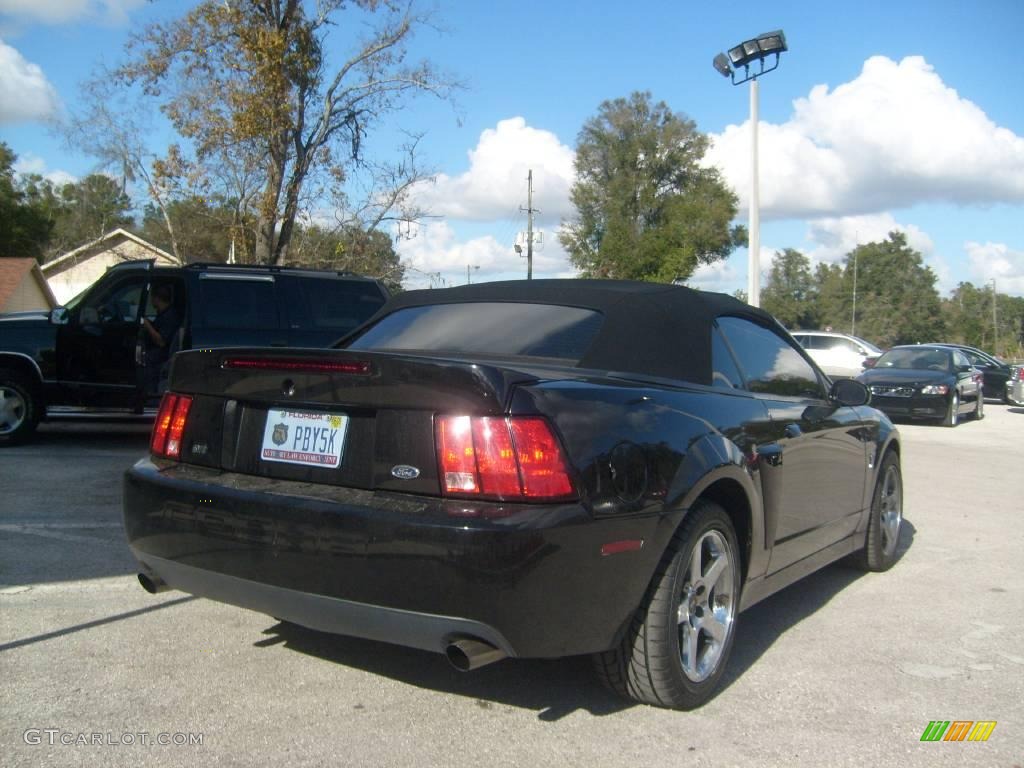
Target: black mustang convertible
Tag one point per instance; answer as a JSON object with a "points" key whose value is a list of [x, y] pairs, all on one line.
{"points": [[525, 469]]}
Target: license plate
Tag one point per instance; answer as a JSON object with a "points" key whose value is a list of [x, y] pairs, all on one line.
{"points": [[310, 439]]}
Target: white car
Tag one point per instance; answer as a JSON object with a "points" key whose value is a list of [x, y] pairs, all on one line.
{"points": [[837, 354]]}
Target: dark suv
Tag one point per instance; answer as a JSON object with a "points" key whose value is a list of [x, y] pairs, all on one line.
{"points": [[89, 355]]}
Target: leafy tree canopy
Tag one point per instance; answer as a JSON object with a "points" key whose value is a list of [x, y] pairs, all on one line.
{"points": [[350, 249], [645, 207], [789, 292], [25, 223]]}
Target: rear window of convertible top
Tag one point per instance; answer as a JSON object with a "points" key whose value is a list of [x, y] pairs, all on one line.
{"points": [[492, 329]]}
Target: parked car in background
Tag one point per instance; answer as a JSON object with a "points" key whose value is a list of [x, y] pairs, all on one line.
{"points": [[1015, 386], [925, 381], [535, 468], [840, 355], [89, 356], [996, 372]]}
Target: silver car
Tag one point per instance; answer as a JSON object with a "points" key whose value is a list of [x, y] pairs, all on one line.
{"points": [[840, 355]]}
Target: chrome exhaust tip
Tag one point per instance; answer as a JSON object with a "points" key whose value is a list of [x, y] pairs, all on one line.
{"points": [[467, 654], [152, 584]]}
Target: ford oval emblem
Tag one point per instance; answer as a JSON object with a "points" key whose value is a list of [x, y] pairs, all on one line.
{"points": [[405, 472]]}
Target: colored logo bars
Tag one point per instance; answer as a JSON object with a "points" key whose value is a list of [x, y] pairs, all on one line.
{"points": [[958, 730]]}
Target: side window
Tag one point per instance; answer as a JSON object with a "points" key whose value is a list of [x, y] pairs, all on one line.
{"points": [[724, 373], [802, 340], [118, 303], [236, 304], [960, 359], [767, 360], [331, 304]]}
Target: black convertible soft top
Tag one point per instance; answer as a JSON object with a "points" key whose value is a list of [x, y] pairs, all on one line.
{"points": [[649, 328]]}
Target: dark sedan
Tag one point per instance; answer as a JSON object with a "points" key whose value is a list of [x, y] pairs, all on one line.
{"points": [[525, 469], [926, 382], [995, 372]]}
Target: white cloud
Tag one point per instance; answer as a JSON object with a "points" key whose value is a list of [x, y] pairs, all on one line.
{"points": [[66, 11], [720, 277], [436, 255], [894, 136], [495, 185], [25, 93], [997, 261], [833, 238], [31, 163]]}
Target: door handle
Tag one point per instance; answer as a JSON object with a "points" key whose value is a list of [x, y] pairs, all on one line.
{"points": [[793, 430]]}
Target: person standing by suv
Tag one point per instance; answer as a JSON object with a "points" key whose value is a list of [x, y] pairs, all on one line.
{"points": [[160, 335]]}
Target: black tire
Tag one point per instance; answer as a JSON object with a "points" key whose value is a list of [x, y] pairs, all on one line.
{"points": [[649, 664], [19, 408], [884, 524], [952, 417]]}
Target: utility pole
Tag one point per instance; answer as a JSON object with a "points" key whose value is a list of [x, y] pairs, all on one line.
{"points": [[853, 317], [995, 323], [530, 210]]}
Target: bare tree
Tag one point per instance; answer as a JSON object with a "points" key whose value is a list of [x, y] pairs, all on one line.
{"points": [[270, 95]]}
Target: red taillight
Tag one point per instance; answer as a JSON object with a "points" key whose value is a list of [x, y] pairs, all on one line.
{"points": [[356, 367], [169, 426], [540, 460], [515, 458]]}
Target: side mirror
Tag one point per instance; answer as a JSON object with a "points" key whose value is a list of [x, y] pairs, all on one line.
{"points": [[963, 368], [59, 316], [849, 392], [868, 362]]}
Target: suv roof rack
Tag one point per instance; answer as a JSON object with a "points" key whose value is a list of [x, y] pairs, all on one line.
{"points": [[271, 268]]}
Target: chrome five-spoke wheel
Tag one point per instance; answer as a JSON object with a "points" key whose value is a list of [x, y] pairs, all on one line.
{"points": [[707, 607]]}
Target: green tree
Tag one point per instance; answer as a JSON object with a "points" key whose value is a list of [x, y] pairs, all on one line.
{"points": [[273, 98], [25, 223], [832, 294], [350, 249], [969, 318], [88, 209], [645, 207], [789, 292], [203, 229], [897, 302]]}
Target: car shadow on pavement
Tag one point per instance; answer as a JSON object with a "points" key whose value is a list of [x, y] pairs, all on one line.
{"points": [[763, 624], [558, 687], [553, 688], [1015, 410]]}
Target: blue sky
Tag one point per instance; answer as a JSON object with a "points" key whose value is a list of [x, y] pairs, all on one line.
{"points": [[895, 115]]}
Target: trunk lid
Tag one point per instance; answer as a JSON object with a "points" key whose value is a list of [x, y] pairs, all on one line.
{"points": [[378, 408]]}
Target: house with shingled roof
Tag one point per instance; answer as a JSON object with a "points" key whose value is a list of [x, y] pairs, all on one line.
{"points": [[23, 287], [72, 273]]}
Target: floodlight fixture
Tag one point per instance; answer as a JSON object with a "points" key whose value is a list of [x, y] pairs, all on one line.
{"points": [[721, 63], [756, 50]]}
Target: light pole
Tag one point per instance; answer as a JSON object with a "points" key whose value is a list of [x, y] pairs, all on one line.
{"points": [[469, 267], [995, 322], [743, 55]]}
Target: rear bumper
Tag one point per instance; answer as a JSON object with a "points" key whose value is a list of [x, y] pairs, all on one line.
{"points": [[1015, 391], [410, 570]]}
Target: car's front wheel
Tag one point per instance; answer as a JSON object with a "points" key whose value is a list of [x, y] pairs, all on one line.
{"points": [[675, 651], [19, 408], [953, 411]]}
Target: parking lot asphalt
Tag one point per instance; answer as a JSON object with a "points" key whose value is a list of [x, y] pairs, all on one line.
{"points": [[841, 669]]}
